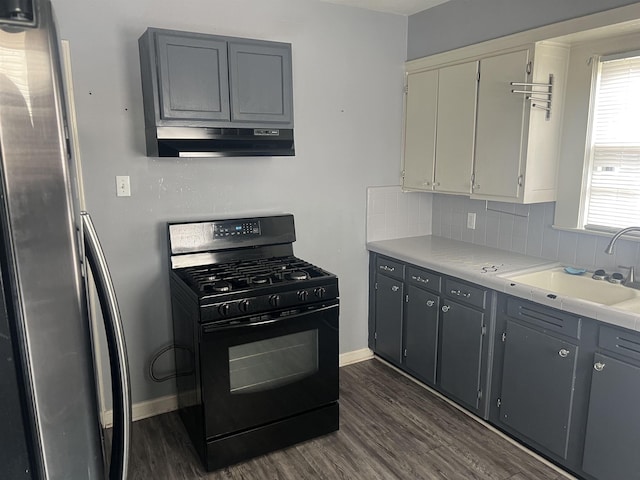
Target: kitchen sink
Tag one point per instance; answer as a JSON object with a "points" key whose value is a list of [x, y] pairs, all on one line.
{"points": [[557, 281]]}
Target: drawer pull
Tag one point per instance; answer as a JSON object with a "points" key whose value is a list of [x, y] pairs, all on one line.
{"points": [[564, 353], [430, 303], [466, 295], [395, 288], [598, 366], [386, 268], [445, 308], [419, 279]]}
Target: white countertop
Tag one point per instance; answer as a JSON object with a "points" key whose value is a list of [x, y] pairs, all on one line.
{"points": [[487, 266]]}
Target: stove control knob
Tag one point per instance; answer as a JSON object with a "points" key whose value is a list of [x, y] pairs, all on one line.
{"points": [[303, 295], [224, 309], [244, 306], [274, 300], [320, 292]]}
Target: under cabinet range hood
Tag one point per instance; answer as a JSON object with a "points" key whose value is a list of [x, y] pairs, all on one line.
{"points": [[215, 96], [219, 142]]}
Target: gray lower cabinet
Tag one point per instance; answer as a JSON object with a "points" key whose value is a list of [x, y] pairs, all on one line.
{"points": [[389, 299], [461, 352], [613, 425], [537, 386], [433, 327], [421, 333], [211, 80]]}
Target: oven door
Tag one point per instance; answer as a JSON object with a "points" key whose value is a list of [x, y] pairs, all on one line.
{"points": [[261, 369]]}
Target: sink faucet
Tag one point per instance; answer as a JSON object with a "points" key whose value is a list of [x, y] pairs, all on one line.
{"points": [[610, 248], [630, 281]]}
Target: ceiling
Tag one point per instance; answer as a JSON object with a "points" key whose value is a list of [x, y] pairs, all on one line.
{"points": [[400, 7]]}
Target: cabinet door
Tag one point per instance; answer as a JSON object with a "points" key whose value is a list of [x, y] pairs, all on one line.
{"points": [[421, 333], [192, 76], [389, 300], [499, 137], [537, 386], [420, 130], [456, 120], [261, 85], [613, 425], [461, 351]]}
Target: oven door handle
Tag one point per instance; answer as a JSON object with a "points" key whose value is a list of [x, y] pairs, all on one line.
{"points": [[235, 324]]}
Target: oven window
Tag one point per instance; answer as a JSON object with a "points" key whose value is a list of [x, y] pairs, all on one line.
{"points": [[271, 363]]}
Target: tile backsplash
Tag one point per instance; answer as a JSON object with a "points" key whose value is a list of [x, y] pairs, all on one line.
{"points": [[527, 229], [392, 213]]}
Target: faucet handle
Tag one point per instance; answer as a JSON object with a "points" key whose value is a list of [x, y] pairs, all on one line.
{"points": [[631, 278]]}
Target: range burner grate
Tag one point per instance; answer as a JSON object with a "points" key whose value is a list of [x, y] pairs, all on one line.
{"points": [[248, 274]]}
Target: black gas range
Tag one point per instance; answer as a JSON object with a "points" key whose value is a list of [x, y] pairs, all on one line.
{"points": [[256, 334]]}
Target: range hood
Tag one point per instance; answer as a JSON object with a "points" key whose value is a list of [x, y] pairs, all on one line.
{"points": [[215, 96], [219, 142]]}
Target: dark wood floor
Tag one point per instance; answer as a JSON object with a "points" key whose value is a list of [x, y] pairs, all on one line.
{"points": [[390, 428]]}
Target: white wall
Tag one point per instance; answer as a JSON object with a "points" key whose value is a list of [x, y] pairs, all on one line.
{"points": [[347, 76]]}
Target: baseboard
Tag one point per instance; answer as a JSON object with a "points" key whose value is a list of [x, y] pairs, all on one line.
{"points": [[355, 356], [158, 406], [149, 408]]}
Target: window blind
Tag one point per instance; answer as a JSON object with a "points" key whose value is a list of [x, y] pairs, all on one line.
{"points": [[613, 187]]}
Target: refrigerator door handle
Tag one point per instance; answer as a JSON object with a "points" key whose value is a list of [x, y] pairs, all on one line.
{"points": [[120, 384]]}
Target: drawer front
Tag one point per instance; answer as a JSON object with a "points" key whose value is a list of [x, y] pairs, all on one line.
{"points": [[622, 342], [423, 279], [465, 293], [546, 318], [389, 267]]}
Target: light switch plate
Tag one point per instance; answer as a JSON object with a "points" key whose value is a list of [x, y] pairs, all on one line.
{"points": [[123, 186]]}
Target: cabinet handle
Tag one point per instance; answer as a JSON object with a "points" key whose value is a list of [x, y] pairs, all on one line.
{"points": [[388, 269], [445, 308], [455, 292], [564, 353], [419, 279], [430, 303], [466, 295], [598, 366], [395, 288]]}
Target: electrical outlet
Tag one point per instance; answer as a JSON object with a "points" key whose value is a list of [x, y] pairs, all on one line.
{"points": [[471, 221], [123, 186]]}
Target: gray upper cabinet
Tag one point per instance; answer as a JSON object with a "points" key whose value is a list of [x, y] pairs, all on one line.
{"points": [[193, 79], [260, 76]]}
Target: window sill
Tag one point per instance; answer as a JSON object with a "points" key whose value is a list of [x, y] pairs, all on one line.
{"points": [[633, 236]]}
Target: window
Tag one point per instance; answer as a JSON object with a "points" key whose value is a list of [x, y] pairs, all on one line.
{"points": [[612, 193]]}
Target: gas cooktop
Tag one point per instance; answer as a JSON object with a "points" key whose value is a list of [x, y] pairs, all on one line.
{"points": [[249, 275]]}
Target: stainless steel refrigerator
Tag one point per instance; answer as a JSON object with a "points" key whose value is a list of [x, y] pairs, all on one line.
{"points": [[49, 423]]}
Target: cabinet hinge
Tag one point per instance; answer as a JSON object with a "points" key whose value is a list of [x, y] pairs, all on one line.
{"points": [[498, 402], [375, 286], [529, 67], [484, 330], [520, 180], [402, 174], [504, 337], [405, 352], [478, 77], [479, 394], [375, 335], [406, 299], [406, 89]]}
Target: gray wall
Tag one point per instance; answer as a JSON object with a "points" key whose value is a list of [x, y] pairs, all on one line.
{"points": [[348, 116], [458, 23]]}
